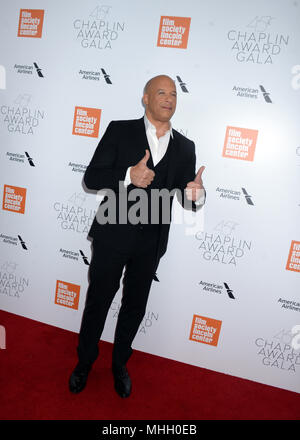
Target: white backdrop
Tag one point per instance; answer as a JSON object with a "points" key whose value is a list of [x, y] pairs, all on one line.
{"points": [[238, 279]]}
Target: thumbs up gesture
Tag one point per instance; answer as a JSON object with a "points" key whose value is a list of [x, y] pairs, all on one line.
{"points": [[194, 189], [140, 174]]}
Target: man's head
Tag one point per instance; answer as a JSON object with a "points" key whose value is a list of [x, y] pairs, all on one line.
{"points": [[160, 98]]}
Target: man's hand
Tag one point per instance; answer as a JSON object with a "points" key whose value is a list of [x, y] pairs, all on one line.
{"points": [[194, 189], [140, 174]]}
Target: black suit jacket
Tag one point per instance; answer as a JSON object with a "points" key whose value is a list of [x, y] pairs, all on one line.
{"points": [[123, 145]]}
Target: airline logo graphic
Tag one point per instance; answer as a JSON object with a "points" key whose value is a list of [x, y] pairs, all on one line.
{"points": [[247, 197], [182, 84], [23, 244], [205, 330], [106, 76], [174, 32], [85, 260], [240, 143], [2, 78], [86, 121], [29, 159], [266, 95], [14, 199], [39, 71], [293, 262], [67, 294], [229, 291], [31, 23]]}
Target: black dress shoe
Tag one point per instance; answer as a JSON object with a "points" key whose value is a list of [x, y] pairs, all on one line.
{"points": [[122, 381], [78, 379]]}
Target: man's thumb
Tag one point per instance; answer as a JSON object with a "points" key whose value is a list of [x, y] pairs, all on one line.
{"points": [[198, 177], [146, 157]]}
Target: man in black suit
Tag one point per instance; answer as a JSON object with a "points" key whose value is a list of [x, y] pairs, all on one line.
{"points": [[133, 157]]}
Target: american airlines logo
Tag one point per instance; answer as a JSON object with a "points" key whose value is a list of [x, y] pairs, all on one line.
{"points": [[216, 287], [225, 193], [9, 239], [95, 75], [252, 93], [20, 157], [74, 255], [28, 69]]}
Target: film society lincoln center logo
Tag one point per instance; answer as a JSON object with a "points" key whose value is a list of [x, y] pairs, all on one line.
{"points": [[86, 121], [205, 330], [293, 262], [174, 32], [240, 143], [31, 23], [14, 199], [67, 294]]}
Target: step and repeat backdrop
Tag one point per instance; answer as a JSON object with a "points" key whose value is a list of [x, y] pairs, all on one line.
{"points": [[228, 295]]}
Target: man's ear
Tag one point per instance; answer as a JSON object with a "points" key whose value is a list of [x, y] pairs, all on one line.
{"points": [[145, 99]]}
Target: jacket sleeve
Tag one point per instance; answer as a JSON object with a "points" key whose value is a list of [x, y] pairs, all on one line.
{"points": [[103, 171]]}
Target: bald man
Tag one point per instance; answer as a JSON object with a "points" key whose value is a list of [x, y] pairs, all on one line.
{"points": [[147, 155]]}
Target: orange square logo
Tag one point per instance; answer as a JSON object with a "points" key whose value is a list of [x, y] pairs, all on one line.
{"points": [[86, 121], [240, 143], [205, 330], [14, 199], [174, 32], [31, 23], [67, 294], [293, 262]]}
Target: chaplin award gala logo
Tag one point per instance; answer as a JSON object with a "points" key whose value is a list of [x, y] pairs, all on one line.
{"points": [[20, 117], [222, 248], [31, 23], [205, 330], [73, 215], [86, 121], [98, 30], [14, 199], [67, 294], [173, 32], [293, 262], [13, 281], [279, 351], [255, 43], [240, 143]]}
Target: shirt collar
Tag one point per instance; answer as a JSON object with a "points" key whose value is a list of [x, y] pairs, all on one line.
{"points": [[149, 126]]}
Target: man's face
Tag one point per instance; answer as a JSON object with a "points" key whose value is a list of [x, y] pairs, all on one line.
{"points": [[160, 99]]}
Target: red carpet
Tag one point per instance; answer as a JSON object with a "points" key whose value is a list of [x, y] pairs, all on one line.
{"points": [[38, 359]]}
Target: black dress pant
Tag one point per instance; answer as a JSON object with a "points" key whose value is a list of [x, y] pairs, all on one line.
{"points": [[106, 268]]}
